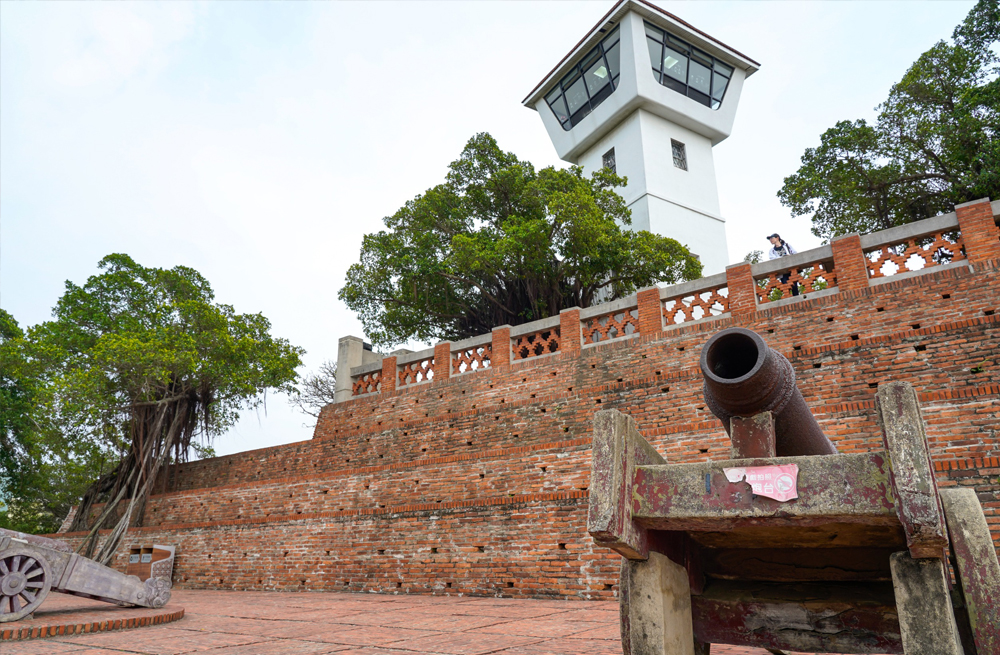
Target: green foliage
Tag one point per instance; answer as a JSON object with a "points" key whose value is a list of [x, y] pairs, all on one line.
{"points": [[754, 257], [134, 335], [499, 243], [139, 367], [934, 144]]}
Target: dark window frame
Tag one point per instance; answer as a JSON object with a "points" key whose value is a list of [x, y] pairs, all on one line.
{"points": [[720, 74], [556, 97], [681, 159], [608, 161]]}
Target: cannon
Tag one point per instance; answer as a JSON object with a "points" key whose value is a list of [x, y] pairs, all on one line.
{"points": [[790, 545], [31, 566]]}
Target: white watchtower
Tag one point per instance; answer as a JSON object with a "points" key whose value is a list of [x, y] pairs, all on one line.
{"points": [[648, 95]]}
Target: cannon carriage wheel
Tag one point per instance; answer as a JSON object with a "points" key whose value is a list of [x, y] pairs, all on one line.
{"points": [[25, 580]]}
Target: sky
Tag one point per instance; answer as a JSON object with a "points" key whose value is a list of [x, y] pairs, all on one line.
{"points": [[257, 142]]}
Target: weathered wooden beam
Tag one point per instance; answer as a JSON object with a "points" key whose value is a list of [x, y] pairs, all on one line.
{"points": [[655, 607], [824, 535], [978, 569], [811, 617], [917, 502], [798, 564], [618, 449], [752, 436], [926, 621], [850, 488]]}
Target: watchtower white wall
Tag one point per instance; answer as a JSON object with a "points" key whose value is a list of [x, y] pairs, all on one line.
{"points": [[639, 120]]}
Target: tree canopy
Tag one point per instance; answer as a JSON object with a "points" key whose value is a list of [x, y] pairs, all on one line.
{"points": [[141, 364], [501, 243], [934, 144]]}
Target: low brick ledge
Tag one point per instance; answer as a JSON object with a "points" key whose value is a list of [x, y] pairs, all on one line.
{"points": [[55, 627]]}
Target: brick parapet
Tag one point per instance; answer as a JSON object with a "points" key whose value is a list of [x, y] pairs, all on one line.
{"points": [[650, 311], [979, 230], [849, 262], [388, 375], [742, 291], [570, 336], [442, 361], [501, 347]]}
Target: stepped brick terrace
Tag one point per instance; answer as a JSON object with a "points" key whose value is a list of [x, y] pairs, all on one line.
{"points": [[464, 469]]}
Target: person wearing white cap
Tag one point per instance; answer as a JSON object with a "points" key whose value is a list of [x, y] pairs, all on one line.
{"points": [[779, 248]]}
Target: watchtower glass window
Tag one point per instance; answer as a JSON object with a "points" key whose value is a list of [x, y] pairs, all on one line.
{"points": [[682, 67], [588, 84]]}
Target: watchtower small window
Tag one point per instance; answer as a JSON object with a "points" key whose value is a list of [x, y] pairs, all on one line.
{"points": [[608, 161], [680, 155]]}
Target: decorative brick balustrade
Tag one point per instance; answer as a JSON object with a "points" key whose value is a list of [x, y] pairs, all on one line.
{"points": [[699, 299], [416, 368], [527, 343], [611, 323], [850, 263], [471, 355], [366, 383], [915, 253]]}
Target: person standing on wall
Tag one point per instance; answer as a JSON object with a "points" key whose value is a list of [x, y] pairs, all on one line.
{"points": [[781, 248]]}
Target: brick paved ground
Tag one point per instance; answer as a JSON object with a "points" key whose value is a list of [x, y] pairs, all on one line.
{"points": [[262, 623]]}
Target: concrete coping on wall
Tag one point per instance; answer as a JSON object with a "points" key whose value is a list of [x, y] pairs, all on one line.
{"points": [[995, 204], [477, 341], [791, 300], [535, 326], [370, 367], [627, 303], [944, 222], [694, 287], [791, 261], [419, 355]]}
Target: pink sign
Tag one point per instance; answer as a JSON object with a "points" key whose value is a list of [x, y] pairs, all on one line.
{"points": [[778, 482]]}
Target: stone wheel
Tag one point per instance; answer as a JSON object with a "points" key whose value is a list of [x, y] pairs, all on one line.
{"points": [[25, 580]]}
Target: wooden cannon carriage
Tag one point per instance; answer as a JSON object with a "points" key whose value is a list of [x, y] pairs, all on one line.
{"points": [[31, 566], [835, 553]]}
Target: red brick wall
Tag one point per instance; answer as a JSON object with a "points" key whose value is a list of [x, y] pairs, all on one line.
{"points": [[501, 457]]}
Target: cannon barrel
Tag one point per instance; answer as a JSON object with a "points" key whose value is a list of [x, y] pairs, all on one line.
{"points": [[743, 377]]}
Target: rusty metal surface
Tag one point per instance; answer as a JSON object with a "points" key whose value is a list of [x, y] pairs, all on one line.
{"points": [[817, 618], [978, 571], [917, 501], [752, 436], [618, 448], [744, 377], [848, 488]]}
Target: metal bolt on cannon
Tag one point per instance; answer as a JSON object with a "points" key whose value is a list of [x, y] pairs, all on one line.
{"points": [[791, 545]]}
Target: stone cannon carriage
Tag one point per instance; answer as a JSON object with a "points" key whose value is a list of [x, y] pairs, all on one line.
{"points": [[790, 545], [31, 566]]}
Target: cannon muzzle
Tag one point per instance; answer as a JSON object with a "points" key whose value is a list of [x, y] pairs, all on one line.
{"points": [[744, 377]]}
